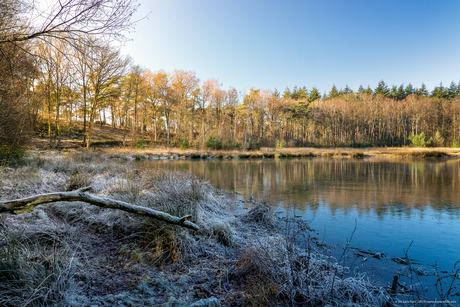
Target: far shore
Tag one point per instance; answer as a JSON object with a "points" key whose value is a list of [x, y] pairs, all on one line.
{"points": [[264, 152]]}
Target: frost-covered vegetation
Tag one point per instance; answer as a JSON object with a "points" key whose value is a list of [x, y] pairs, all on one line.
{"points": [[76, 254]]}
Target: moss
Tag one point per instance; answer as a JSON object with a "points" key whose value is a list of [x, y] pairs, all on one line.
{"points": [[140, 157]]}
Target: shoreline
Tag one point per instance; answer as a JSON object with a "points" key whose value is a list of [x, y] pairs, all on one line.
{"points": [[238, 257], [130, 153]]}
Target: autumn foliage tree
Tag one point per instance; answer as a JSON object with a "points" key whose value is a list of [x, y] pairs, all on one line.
{"points": [[17, 72], [34, 33]]}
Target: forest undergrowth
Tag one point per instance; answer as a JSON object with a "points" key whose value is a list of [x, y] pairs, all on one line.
{"points": [[76, 254]]}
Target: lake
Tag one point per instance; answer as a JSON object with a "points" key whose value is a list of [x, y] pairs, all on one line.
{"points": [[394, 203]]}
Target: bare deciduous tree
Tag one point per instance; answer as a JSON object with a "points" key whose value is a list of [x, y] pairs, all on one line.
{"points": [[68, 20]]}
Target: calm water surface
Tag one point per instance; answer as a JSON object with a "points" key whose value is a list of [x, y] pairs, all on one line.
{"points": [[393, 202]]}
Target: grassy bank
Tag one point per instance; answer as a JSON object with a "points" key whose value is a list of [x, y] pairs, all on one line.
{"points": [[76, 254], [128, 153]]}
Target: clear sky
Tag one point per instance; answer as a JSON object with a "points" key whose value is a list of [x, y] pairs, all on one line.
{"points": [[278, 44]]}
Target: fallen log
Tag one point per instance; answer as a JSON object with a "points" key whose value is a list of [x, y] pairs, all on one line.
{"points": [[29, 203]]}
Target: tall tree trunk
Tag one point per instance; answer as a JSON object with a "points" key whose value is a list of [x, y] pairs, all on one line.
{"points": [[85, 132]]}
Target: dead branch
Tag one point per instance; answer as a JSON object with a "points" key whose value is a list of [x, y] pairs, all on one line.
{"points": [[29, 203]]}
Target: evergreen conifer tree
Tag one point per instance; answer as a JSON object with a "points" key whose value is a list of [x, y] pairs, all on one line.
{"points": [[393, 92], [333, 92], [422, 91], [303, 93], [287, 93], [401, 93], [347, 90], [409, 90], [440, 92], [314, 95], [295, 93], [368, 90], [452, 90], [382, 89]]}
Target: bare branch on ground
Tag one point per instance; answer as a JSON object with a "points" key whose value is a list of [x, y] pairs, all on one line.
{"points": [[29, 203]]}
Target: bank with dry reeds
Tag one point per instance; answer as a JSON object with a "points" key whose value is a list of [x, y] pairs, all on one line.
{"points": [[286, 153]]}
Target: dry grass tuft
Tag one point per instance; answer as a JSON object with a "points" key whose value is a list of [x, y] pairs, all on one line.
{"points": [[37, 266], [262, 213], [223, 233], [276, 272], [78, 180]]}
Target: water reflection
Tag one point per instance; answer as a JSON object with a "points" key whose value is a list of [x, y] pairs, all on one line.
{"points": [[393, 201], [390, 187]]}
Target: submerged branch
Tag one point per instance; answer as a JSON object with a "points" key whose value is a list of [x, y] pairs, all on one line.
{"points": [[29, 203]]}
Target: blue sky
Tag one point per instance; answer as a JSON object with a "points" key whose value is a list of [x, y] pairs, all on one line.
{"points": [[275, 44]]}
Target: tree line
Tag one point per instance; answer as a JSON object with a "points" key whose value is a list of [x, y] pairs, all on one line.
{"points": [[178, 109], [50, 77]]}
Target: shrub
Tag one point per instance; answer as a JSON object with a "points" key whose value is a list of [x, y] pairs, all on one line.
{"points": [[438, 140], [455, 144], [280, 144], [283, 144], [140, 144], [419, 140], [398, 142], [213, 142], [229, 145], [10, 152], [172, 144], [253, 145], [361, 145], [382, 143], [184, 145]]}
